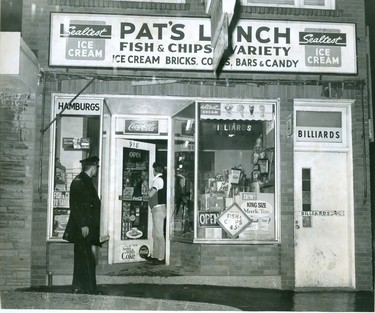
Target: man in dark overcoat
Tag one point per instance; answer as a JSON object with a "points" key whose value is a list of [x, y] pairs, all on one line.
{"points": [[83, 227]]}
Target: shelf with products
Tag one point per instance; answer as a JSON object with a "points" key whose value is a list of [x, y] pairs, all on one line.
{"points": [[134, 220], [134, 197], [60, 220], [60, 176], [61, 199]]}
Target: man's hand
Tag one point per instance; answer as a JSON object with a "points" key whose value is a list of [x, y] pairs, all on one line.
{"points": [[85, 231]]}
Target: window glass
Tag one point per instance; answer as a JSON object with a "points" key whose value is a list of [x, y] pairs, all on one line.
{"points": [[236, 177], [269, 2], [76, 136], [318, 119], [314, 2], [319, 4], [183, 213]]}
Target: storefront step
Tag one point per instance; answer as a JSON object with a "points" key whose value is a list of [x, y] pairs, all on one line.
{"points": [[270, 282]]}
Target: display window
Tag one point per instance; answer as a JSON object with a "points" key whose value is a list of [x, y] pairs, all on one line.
{"points": [[76, 135], [237, 172]]}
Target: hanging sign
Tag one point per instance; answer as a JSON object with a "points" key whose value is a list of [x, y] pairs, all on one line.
{"points": [[184, 43], [80, 106]]}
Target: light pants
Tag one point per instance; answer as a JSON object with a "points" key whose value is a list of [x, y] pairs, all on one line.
{"points": [[158, 216]]}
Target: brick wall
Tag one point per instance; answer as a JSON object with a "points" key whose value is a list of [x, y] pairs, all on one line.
{"points": [[17, 120]]}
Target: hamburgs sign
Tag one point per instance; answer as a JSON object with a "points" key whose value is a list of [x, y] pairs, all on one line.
{"points": [[80, 106], [184, 43]]}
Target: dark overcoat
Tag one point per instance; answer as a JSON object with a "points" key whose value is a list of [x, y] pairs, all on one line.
{"points": [[85, 210]]}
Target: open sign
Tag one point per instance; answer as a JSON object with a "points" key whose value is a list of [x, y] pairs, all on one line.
{"points": [[208, 218]]}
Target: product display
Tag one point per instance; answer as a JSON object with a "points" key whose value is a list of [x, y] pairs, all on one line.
{"points": [[134, 220], [237, 200]]}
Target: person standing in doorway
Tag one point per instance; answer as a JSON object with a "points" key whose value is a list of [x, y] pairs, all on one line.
{"points": [[83, 227], [157, 202]]}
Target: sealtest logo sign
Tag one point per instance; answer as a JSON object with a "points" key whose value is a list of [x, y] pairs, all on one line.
{"points": [[210, 108], [85, 41], [323, 47]]}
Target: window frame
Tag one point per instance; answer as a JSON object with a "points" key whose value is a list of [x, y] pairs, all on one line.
{"points": [[51, 207], [277, 182], [328, 5]]}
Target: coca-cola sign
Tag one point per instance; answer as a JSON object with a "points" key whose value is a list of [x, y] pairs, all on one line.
{"points": [[141, 127]]}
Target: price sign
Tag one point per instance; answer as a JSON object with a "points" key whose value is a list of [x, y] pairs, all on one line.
{"points": [[234, 220]]}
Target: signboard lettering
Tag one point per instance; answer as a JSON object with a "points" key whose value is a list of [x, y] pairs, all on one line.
{"points": [[140, 126], [128, 253], [319, 134], [80, 106], [83, 106], [208, 219], [233, 220], [323, 213], [184, 43]]}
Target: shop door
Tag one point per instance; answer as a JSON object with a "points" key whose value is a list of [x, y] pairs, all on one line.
{"points": [[132, 216], [323, 237]]}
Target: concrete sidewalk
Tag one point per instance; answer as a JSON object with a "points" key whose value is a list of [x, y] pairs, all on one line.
{"points": [[63, 301], [188, 298]]}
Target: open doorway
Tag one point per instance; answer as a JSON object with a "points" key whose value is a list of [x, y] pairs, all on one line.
{"points": [[136, 127]]}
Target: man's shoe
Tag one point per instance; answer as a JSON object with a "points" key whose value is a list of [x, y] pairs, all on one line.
{"points": [[97, 292], [150, 259], [78, 291], [158, 262]]}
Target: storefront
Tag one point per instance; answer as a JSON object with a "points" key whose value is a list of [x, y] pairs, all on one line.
{"points": [[222, 160], [223, 155]]}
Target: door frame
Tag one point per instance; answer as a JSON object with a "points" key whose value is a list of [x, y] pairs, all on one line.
{"points": [[112, 170], [336, 105]]}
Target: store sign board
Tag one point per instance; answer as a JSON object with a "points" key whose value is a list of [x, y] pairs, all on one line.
{"points": [[141, 127], [208, 218], [236, 111], [80, 106], [76, 143], [133, 252], [318, 134], [259, 207], [184, 43]]}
